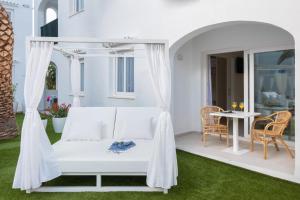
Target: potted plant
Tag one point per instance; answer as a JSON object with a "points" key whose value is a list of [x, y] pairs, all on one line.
{"points": [[44, 117], [59, 114]]}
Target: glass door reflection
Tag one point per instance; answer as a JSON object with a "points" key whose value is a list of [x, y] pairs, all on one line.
{"points": [[274, 85]]}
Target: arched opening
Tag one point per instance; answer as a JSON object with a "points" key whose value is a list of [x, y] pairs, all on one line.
{"points": [[245, 62], [51, 15], [51, 77], [47, 18], [50, 91]]}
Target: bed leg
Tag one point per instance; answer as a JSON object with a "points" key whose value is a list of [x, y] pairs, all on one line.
{"points": [[98, 181], [165, 191]]}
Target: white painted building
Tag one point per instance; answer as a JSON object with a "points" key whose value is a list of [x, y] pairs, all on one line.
{"points": [[200, 32], [20, 12]]}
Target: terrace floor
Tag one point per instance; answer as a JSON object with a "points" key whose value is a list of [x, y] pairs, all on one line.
{"points": [[279, 164]]}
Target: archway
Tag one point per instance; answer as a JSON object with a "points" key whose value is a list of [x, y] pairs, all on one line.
{"points": [[268, 68], [196, 32], [47, 18], [220, 38]]}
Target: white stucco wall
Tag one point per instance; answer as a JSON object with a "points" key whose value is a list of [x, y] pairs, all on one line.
{"points": [[171, 19], [21, 19], [178, 21], [98, 82]]}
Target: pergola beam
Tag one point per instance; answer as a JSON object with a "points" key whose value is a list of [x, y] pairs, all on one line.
{"points": [[96, 40]]}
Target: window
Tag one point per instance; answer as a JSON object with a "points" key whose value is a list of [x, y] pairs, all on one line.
{"points": [[124, 77], [76, 6], [81, 75]]}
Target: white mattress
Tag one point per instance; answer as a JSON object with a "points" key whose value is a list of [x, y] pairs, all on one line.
{"points": [[90, 156]]}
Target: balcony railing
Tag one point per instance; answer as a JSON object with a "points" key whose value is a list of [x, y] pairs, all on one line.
{"points": [[50, 29]]}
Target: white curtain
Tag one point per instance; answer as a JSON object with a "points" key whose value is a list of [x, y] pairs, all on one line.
{"points": [[209, 86], [75, 80], [162, 170], [37, 162]]}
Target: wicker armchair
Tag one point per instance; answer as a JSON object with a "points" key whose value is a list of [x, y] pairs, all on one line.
{"points": [[274, 126], [211, 125]]}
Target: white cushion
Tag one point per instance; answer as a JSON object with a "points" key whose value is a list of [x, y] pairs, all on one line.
{"points": [[87, 119], [86, 156], [86, 131], [135, 122]]}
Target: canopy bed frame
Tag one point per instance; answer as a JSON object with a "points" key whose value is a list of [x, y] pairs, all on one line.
{"points": [[37, 162]]}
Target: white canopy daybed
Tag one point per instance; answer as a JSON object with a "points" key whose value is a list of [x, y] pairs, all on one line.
{"points": [[40, 162]]}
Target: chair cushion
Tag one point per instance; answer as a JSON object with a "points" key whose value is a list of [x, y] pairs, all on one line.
{"points": [[97, 121], [136, 122]]}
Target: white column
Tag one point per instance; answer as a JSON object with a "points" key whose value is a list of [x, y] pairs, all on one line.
{"points": [[235, 135], [246, 93]]}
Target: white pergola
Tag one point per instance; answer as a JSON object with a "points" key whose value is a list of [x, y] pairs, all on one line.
{"points": [[37, 162]]}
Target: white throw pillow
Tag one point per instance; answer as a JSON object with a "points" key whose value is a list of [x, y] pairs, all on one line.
{"points": [[127, 131], [88, 131], [135, 123]]}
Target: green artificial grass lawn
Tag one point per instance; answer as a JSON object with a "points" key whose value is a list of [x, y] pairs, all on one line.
{"points": [[199, 178]]}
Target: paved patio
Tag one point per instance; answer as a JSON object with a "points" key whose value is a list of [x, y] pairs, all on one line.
{"points": [[279, 164]]}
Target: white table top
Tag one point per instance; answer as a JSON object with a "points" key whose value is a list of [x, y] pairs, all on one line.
{"points": [[236, 114]]}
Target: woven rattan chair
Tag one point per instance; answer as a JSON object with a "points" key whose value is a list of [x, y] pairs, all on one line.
{"points": [[211, 125], [274, 126]]}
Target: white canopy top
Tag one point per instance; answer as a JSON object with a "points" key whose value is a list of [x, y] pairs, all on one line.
{"points": [[108, 45]]}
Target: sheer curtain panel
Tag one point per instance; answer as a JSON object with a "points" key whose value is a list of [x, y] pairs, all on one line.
{"points": [[37, 162], [162, 170]]}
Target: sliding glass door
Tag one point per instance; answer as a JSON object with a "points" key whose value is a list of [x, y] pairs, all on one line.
{"points": [[274, 84]]}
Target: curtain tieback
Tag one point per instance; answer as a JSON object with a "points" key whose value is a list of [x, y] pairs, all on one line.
{"points": [[164, 108], [76, 94]]}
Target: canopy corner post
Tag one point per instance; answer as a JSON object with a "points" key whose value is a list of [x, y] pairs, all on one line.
{"points": [[75, 80], [76, 101]]}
